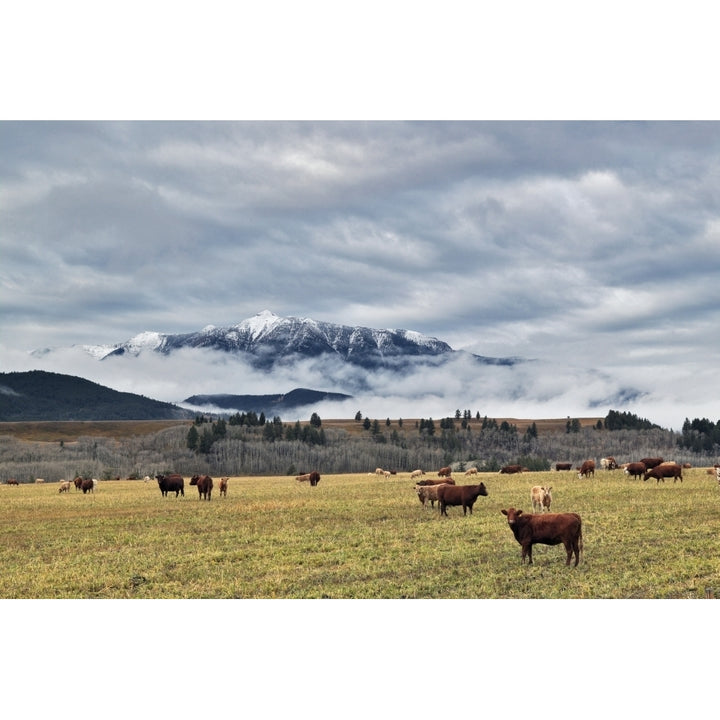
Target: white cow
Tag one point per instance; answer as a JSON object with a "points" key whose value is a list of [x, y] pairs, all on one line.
{"points": [[540, 498]]}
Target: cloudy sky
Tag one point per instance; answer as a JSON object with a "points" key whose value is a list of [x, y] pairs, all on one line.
{"points": [[594, 246], [588, 244]]}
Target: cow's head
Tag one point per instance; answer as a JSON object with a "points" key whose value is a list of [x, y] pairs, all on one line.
{"points": [[512, 515]]}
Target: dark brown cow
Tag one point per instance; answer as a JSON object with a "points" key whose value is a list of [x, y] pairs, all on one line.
{"points": [[547, 529], [587, 469], [660, 472], [78, 483], [445, 472], [635, 469], [444, 481], [563, 466], [312, 477], [223, 486], [87, 485], [464, 495], [511, 469], [651, 462], [171, 483], [12, 481], [204, 485]]}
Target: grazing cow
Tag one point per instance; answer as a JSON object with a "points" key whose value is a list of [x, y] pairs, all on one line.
{"points": [[64, 486], [464, 495], [39, 480], [312, 477], [445, 472], [78, 483], [428, 492], [550, 529], [223, 486], [660, 472], [416, 473], [379, 471], [608, 463], [587, 469], [541, 498], [444, 481], [204, 485], [471, 471], [387, 473], [635, 469], [651, 462], [88, 485], [147, 479], [563, 466], [171, 483], [13, 481], [511, 469]]}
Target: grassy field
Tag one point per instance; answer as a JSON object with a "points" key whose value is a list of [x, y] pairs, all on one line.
{"points": [[356, 536]]}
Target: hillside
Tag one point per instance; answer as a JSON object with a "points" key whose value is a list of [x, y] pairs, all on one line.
{"points": [[40, 395]]}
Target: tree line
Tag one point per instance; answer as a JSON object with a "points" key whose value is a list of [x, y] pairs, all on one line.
{"points": [[220, 447]]}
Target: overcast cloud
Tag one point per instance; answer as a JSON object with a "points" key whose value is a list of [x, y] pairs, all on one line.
{"points": [[591, 247]]}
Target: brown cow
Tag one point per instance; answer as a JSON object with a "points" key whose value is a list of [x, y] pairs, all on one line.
{"points": [[587, 469], [563, 466], [444, 481], [660, 472], [78, 483], [549, 529], [13, 481], [651, 462], [204, 485], [428, 492], [445, 472], [312, 477], [87, 485], [223, 486], [635, 469], [64, 486], [511, 469], [171, 483], [464, 495]]}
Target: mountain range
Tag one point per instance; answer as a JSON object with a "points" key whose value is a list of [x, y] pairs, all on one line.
{"points": [[267, 340]]}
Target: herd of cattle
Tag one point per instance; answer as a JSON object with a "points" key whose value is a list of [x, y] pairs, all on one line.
{"points": [[541, 526]]}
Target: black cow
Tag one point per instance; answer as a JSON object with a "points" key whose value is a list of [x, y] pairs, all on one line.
{"points": [[204, 485], [464, 495], [87, 485], [171, 483]]}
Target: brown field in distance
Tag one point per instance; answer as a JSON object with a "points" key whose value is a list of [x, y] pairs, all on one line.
{"points": [[71, 430]]}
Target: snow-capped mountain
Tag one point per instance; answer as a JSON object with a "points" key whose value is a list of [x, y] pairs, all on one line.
{"points": [[266, 340]]}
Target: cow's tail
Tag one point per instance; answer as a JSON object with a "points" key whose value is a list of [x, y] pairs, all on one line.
{"points": [[580, 542]]}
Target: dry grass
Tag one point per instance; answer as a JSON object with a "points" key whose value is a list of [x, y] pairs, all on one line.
{"points": [[356, 536]]}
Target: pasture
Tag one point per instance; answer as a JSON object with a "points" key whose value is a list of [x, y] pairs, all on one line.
{"points": [[357, 536]]}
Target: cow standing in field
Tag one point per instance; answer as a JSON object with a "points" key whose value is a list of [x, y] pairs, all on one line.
{"points": [[550, 529], [64, 486], [312, 477], [464, 495], [171, 483], [651, 462], [635, 469], [416, 473], [660, 472], [587, 469], [223, 486], [88, 485], [13, 481], [541, 498], [445, 472], [511, 469], [78, 483], [608, 463], [563, 466], [204, 485], [429, 481], [428, 492]]}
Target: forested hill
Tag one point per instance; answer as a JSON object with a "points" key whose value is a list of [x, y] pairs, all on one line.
{"points": [[40, 395]]}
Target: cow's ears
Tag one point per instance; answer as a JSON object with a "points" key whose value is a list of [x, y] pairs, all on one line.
{"points": [[518, 512], [504, 512]]}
